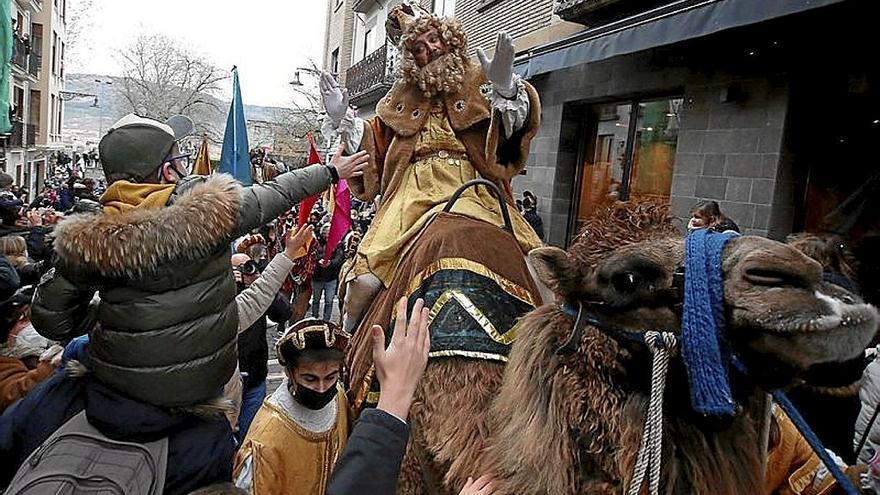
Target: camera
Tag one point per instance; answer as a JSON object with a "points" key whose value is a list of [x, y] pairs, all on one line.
{"points": [[249, 267]]}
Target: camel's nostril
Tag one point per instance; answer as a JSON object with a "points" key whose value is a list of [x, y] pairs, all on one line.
{"points": [[774, 277]]}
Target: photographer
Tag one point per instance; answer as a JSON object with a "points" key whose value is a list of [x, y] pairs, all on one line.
{"points": [[257, 299]]}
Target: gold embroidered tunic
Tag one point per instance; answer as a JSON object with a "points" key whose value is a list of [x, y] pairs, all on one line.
{"points": [[440, 166], [288, 458]]}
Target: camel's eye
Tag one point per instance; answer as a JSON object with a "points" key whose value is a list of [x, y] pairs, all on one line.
{"points": [[626, 282]]}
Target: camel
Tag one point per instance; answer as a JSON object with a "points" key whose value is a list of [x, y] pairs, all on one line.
{"points": [[565, 424], [448, 416]]}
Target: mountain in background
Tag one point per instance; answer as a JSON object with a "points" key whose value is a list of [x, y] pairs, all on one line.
{"points": [[83, 121]]}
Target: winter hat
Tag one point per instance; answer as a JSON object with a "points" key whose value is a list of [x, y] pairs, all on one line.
{"points": [[9, 280], [134, 147]]}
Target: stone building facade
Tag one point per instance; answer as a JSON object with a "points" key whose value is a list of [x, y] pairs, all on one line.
{"points": [[775, 114]]}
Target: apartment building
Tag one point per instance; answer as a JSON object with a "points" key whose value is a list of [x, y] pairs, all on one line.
{"points": [[338, 38], [36, 79]]}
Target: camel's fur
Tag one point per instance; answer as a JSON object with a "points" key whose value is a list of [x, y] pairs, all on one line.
{"points": [[449, 423], [571, 424]]}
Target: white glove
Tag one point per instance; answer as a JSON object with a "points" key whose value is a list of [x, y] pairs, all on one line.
{"points": [[499, 70], [335, 99]]}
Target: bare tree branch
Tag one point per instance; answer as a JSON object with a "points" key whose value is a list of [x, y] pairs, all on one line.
{"points": [[162, 78]]}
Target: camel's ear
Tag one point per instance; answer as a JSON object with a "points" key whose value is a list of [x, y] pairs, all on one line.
{"points": [[555, 268]]}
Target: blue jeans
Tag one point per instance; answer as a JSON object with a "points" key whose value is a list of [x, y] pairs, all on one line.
{"points": [[251, 400], [327, 288]]}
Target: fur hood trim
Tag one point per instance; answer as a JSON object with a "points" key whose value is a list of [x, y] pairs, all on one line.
{"points": [[139, 241]]}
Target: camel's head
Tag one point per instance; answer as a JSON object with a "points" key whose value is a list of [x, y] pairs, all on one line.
{"points": [[780, 316]]}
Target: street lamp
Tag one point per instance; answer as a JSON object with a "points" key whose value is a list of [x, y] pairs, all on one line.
{"points": [[101, 83], [309, 70]]}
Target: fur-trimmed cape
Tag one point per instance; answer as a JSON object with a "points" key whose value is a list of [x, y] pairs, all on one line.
{"points": [[390, 137]]}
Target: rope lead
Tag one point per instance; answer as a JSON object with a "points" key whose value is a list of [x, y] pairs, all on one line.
{"points": [[651, 447]]}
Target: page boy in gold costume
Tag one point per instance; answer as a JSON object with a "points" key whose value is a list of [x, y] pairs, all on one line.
{"points": [[301, 429]]}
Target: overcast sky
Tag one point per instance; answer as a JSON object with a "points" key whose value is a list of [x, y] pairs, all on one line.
{"points": [[266, 39]]}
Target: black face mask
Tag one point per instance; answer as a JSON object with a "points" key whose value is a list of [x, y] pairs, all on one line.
{"points": [[311, 399]]}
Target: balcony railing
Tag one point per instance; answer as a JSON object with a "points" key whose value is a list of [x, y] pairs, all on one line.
{"points": [[20, 52], [35, 63], [372, 77], [15, 138], [22, 135]]}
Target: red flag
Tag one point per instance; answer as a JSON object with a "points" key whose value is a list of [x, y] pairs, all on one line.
{"points": [[340, 222], [305, 206]]}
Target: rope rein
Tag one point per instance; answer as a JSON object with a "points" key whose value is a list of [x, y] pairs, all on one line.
{"points": [[662, 345]]}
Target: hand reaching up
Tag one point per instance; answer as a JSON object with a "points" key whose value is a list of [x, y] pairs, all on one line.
{"points": [[400, 367], [351, 165], [335, 99], [499, 69], [297, 241]]}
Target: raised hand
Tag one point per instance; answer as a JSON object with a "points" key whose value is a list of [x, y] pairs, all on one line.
{"points": [[400, 367], [351, 165], [335, 99], [298, 240], [499, 69]]}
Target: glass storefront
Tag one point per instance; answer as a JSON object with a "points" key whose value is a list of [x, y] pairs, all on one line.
{"points": [[629, 154]]}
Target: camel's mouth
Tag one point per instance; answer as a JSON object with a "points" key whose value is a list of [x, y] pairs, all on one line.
{"points": [[835, 379], [838, 334]]}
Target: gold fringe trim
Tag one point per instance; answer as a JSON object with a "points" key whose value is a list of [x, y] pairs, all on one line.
{"points": [[508, 286], [474, 312], [470, 354]]}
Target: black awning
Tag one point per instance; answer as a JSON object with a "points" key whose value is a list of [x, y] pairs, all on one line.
{"points": [[673, 23]]}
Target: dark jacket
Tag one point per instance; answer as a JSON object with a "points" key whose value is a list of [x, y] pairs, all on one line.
{"points": [[200, 450], [531, 216], [30, 273], [168, 321], [331, 271], [253, 349], [9, 279], [370, 463]]}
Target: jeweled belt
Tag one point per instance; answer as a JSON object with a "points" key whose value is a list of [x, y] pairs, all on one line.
{"points": [[450, 156]]}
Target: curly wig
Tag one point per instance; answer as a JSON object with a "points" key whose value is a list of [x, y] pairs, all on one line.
{"points": [[444, 74]]}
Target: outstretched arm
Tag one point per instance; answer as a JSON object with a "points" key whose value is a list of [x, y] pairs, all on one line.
{"points": [[262, 203], [370, 463], [516, 113], [261, 294], [341, 120]]}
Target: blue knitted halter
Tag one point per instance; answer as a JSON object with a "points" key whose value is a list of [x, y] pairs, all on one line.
{"points": [[703, 324]]}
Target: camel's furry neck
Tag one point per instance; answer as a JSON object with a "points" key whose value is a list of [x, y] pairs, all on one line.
{"points": [[572, 425]]}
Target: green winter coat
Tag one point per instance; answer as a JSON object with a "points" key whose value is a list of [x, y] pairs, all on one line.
{"points": [[167, 318]]}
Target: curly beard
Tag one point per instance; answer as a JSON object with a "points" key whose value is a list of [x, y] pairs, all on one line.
{"points": [[444, 74]]}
